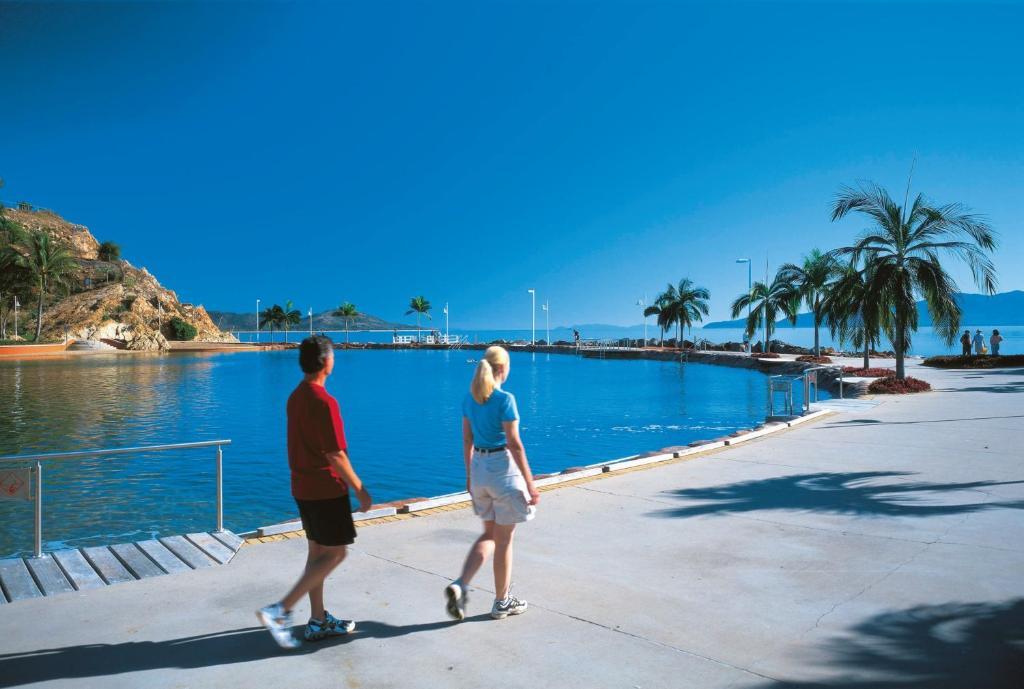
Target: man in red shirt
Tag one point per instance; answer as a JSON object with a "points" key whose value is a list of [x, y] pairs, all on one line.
{"points": [[321, 476]]}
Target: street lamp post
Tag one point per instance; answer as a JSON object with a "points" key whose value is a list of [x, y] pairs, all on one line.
{"points": [[546, 306], [642, 303], [533, 314], [446, 322], [257, 320], [16, 305], [749, 286], [311, 321]]}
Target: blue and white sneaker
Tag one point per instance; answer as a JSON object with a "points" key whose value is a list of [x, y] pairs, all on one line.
{"points": [[279, 623], [510, 606], [329, 626]]}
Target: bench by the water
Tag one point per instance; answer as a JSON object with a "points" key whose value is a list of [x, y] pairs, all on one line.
{"points": [[70, 570]]}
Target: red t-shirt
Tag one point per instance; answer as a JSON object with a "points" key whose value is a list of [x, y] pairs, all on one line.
{"points": [[315, 429]]}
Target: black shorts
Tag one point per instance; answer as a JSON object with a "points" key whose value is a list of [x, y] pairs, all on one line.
{"points": [[328, 522]]}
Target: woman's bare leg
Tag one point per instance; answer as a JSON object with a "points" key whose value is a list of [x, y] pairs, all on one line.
{"points": [[502, 559], [478, 554]]}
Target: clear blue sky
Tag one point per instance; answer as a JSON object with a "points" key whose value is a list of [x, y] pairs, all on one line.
{"points": [[468, 151]]}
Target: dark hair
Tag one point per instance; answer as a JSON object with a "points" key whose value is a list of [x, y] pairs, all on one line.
{"points": [[313, 353]]}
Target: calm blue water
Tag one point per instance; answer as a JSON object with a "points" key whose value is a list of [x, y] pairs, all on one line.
{"points": [[925, 341], [401, 411]]}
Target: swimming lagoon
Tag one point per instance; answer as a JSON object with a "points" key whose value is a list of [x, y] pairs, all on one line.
{"points": [[402, 418]]}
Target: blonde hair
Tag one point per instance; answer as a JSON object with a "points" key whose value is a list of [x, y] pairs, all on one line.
{"points": [[484, 383]]}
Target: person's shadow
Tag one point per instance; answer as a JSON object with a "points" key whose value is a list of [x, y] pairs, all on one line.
{"points": [[203, 650]]}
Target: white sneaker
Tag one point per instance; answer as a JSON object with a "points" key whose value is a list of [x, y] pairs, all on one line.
{"points": [[457, 598], [510, 606], [279, 624]]}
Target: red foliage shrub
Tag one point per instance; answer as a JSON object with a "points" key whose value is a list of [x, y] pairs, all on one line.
{"points": [[810, 358], [765, 355], [892, 386], [868, 372]]}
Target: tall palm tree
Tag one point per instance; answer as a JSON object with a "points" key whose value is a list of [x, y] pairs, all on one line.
{"points": [[663, 324], [348, 311], [903, 248], [852, 313], [272, 317], [812, 280], [289, 316], [48, 262], [691, 304], [767, 302], [421, 307]]}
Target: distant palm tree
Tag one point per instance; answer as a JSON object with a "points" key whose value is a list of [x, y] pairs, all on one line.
{"points": [[691, 304], [348, 311], [48, 262], [853, 314], [421, 307], [272, 317], [766, 302], [663, 325], [903, 248], [289, 316], [812, 280]]}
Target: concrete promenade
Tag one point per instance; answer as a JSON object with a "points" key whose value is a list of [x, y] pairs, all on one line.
{"points": [[882, 546]]}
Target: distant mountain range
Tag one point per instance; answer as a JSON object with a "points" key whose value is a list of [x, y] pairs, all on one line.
{"points": [[1005, 308], [227, 320]]}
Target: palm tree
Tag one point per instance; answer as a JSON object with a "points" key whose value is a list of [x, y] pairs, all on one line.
{"points": [[766, 301], [903, 248], [421, 307], [691, 304], [272, 316], [851, 312], [289, 316], [812, 280], [348, 311], [48, 262], [663, 325]]}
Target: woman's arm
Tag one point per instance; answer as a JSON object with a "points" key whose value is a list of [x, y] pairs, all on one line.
{"points": [[515, 446], [467, 447]]}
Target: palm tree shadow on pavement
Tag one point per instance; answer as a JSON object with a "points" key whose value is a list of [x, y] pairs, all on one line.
{"points": [[203, 650], [853, 493], [948, 646]]}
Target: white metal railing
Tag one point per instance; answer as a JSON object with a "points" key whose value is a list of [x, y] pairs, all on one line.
{"points": [[36, 464]]}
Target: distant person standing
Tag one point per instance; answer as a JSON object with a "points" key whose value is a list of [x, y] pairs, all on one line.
{"points": [[965, 342], [321, 475], [576, 336], [979, 342], [499, 481], [996, 339]]}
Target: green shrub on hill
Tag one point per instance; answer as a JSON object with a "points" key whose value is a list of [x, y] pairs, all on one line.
{"points": [[182, 330]]}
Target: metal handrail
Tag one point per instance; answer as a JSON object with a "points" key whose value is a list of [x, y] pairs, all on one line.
{"points": [[38, 460]]}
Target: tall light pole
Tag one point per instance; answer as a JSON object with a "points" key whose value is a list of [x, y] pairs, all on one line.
{"points": [[749, 286], [257, 320], [311, 321], [533, 313], [16, 305], [446, 322], [642, 303], [546, 306]]}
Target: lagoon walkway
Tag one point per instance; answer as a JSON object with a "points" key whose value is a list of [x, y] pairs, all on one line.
{"points": [[882, 546]]}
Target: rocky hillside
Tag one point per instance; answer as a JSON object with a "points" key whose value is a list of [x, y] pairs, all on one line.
{"points": [[111, 300]]}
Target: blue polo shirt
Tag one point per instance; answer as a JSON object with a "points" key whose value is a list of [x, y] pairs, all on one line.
{"points": [[486, 419]]}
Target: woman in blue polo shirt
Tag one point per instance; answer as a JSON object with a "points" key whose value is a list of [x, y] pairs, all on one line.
{"points": [[498, 479]]}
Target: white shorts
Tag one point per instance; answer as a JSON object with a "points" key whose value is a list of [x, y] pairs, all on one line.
{"points": [[498, 489]]}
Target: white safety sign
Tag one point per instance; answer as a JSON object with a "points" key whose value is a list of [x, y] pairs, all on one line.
{"points": [[16, 484]]}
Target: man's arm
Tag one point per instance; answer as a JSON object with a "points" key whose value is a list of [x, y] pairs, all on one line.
{"points": [[343, 467]]}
